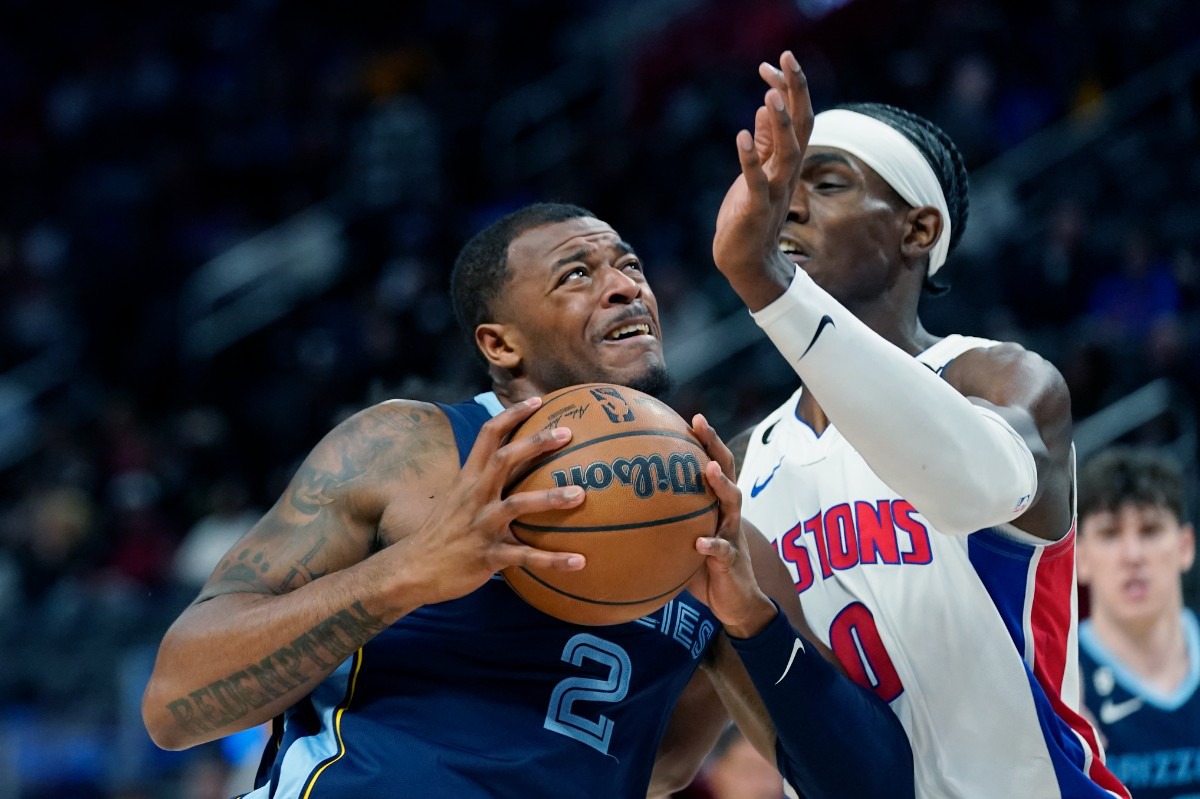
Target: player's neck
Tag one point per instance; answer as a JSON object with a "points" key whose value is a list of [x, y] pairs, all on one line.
{"points": [[895, 319], [1155, 650], [512, 391]]}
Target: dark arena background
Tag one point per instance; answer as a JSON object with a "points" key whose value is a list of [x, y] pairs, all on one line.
{"points": [[226, 226]]}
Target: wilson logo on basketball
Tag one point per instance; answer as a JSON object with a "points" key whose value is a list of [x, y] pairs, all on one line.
{"points": [[645, 474]]}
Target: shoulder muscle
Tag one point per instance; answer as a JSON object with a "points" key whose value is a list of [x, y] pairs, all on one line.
{"points": [[328, 516]]}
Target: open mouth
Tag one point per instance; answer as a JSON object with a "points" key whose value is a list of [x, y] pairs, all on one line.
{"points": [[629, 331], [794, 250], [1136, 588]]}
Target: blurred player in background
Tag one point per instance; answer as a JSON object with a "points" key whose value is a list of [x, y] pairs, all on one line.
{"points": [[364, 612], [919, 487], [1140, 647]]}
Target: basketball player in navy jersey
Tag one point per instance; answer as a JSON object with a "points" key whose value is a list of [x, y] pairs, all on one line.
{"points": [[364, 612], [919, 487], [1140, 647]]}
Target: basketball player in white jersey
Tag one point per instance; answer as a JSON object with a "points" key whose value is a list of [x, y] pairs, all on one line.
{"points": [[920, 488]]}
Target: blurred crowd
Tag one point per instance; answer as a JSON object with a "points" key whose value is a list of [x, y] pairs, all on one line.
{"points": [[139, 143]]}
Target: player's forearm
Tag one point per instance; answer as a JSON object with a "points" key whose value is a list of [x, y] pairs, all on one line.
{"points": [[833, 738], [961, 466], [237, 660]]}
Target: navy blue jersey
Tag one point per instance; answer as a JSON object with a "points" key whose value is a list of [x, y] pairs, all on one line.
{"points": [[1153, 739], [484, 696]]}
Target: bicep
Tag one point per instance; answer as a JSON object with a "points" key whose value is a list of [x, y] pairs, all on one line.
{"points": [[328, 516], [1031, 395]]}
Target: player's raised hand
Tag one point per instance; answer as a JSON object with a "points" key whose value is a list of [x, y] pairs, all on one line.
{"points": [[467, 537], [751, 217], [727, 583]]}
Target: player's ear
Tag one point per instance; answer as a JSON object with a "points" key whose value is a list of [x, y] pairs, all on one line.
{"points": [[922, 226], [1187, 536], [499, 344]]}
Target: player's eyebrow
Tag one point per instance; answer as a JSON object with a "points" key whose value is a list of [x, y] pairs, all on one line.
{"points": [[623, 247], [821, 159], [574, 257]]}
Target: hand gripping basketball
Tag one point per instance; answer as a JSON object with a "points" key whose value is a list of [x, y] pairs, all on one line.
{"points": [[641, 467], [467, 539]]}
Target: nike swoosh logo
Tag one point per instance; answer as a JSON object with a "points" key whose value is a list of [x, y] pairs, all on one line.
{"points": [[825, 320], [797, 646], [1111, 712], [758, 487]]}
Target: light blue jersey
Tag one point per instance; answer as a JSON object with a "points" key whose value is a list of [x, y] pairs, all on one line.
{"points": [[1153, 738]]}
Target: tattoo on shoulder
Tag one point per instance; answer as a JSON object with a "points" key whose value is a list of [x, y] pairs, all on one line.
{"points": [[303, 662], [368, 447]]}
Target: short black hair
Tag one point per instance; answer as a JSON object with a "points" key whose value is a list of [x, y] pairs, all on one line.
{"points": [[481, 268], [941, 153], [1130, 475]]}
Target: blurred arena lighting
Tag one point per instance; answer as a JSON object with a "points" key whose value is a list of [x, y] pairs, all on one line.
{"points": [[815, 9], [259, 280]]}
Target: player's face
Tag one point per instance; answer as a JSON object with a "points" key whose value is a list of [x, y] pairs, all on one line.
{"points": [[580, 310], [1132, 560], [845, 226]]}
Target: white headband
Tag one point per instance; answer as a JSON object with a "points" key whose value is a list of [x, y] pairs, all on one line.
{"points": [[896, 159]]}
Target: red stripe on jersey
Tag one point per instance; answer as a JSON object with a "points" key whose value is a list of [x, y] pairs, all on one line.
{"points": [[1050, 622]]}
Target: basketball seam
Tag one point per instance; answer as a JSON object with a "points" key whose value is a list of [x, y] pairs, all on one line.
{"points": [[599, 439], [540, 528], [611, 603]]}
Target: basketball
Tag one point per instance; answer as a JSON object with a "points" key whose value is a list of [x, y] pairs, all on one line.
{"points": [[646, 503]]}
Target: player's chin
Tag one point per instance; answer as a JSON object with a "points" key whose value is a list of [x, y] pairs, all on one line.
{"points": [[647, 373]]}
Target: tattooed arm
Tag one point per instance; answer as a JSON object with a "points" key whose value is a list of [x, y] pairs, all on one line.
{"points": [[377, 521]]}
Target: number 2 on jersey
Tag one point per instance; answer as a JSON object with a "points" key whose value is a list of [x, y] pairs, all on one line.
{"points": [[561, 716], [855, 640]]}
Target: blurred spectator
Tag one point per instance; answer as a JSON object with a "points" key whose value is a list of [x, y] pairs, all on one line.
{"points": [[1140, 293], [1140, 648], [1046, 281], [229, 517]]}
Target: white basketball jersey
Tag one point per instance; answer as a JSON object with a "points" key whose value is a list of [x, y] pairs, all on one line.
{"points": [[970, 639]]}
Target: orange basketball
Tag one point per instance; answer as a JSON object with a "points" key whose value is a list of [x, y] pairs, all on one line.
{"points": [[646, 503]]}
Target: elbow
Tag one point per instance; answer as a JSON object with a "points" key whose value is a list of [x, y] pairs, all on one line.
{"points": [[160, 724], [980, 504]]}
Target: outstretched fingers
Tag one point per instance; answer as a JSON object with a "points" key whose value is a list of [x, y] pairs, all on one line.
{"points": [[789, 79], [799, 100], [786, 151]]}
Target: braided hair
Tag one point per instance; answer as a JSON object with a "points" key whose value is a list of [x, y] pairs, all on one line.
{"points": [[941, 153]]}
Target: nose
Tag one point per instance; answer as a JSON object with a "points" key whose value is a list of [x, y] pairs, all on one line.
{"points": [[798, 207], [1132, 547], [620, 287]]}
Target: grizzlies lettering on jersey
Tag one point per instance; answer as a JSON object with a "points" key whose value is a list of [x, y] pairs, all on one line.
{"points": [[925, 619], [1153, 738], [484, 696]]}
